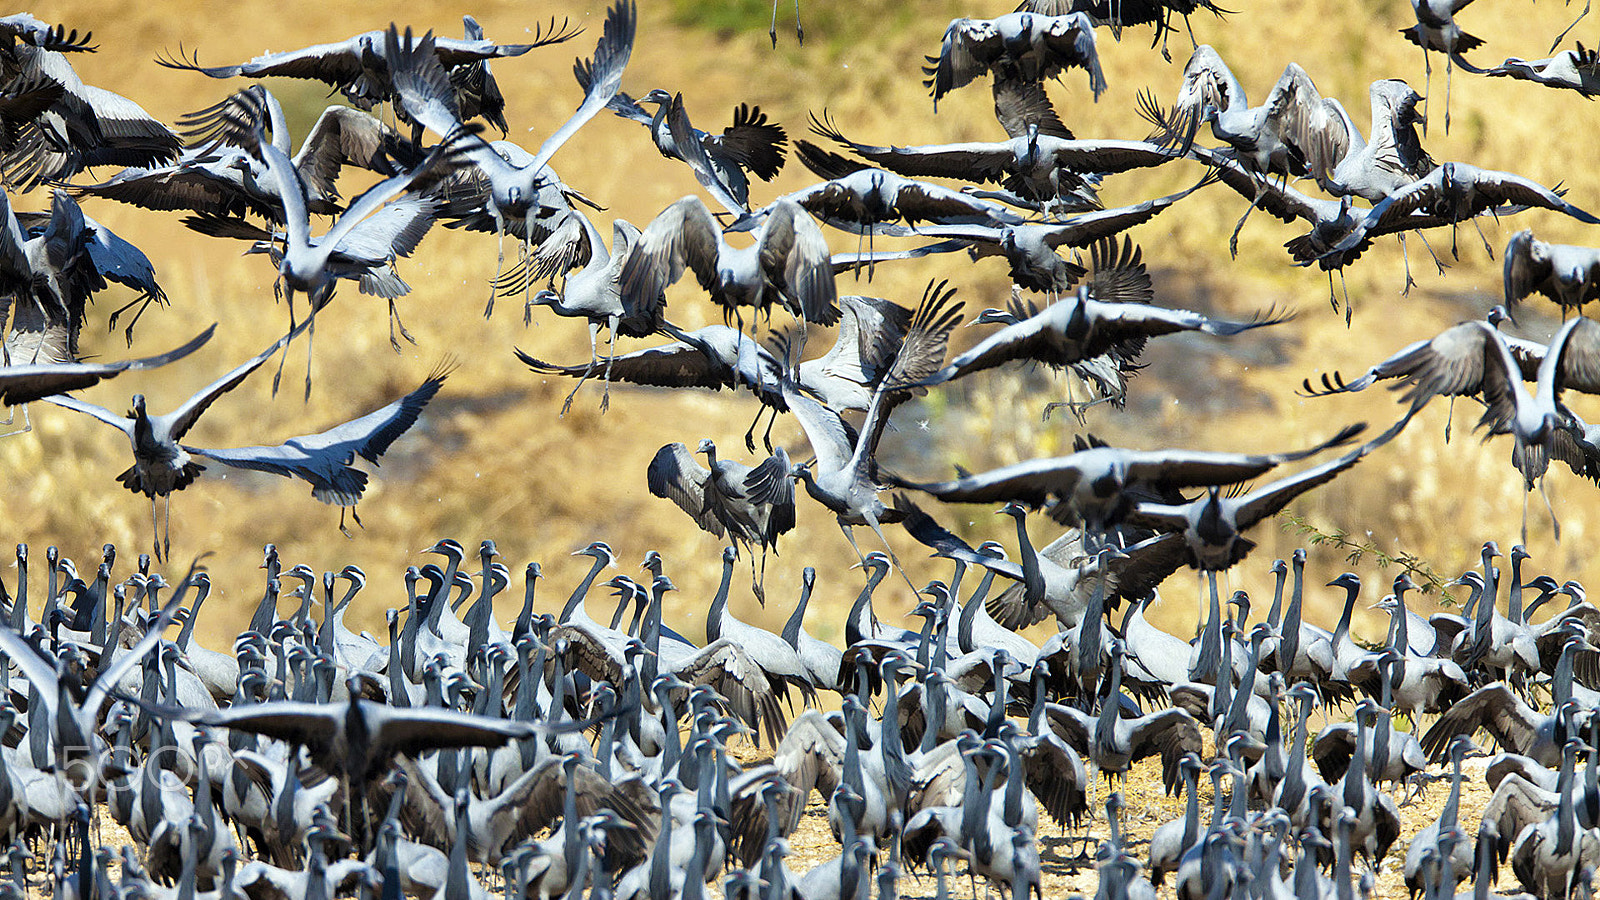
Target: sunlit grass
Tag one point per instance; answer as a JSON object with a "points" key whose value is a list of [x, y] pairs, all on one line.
{"points": [[492, 459]]}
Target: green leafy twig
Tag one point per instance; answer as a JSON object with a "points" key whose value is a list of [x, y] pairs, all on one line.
{"points": [[1355, 551]]}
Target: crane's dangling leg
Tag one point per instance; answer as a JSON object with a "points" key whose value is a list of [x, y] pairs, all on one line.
{"points": [[1405, 257], [27, 425], [750, 436], [1483, 237], [611, 357], [872, 521], [766, 436], [311, 338], [288, 293], [1562, 36], [394, 322], [499, 263], [1555, 524], [1449, 69], [166, 530], [143, 303], [1427, 86], [1524, 518], [1437, 262], [758, 580], [1233, 240], [594, 363]]}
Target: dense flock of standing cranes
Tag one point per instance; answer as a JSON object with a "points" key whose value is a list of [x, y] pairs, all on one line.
{"points": [[566, 755]]}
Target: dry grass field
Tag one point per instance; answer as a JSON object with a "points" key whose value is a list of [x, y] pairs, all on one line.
{"points": [[492, 458]]}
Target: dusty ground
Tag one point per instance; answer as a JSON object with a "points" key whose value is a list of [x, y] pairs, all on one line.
{"points": [[1068, 860], [1069, 867]]}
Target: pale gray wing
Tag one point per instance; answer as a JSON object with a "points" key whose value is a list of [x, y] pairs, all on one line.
{"points": [[605, 76], [683, 236], [674, 474], [99, 412], [370, 436], [24, 384], [343, 135], [395, 229], [180, 420]]}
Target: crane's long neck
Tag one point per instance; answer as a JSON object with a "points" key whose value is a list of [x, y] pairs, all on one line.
{"points": [[1452, 803], [1289, 644], [1191, 809], [1211, 639], [1342, 630], [1275, 611], [524, 624], [576, 600], [969, 612], [1089, 627], [1561, 682], [933, 706], [1032, 574], [719, 604], [1011, 811], [1355, 778], [186, 634], [1514, 600], [1491, 588], [791, 628], [19, 606], [859, 611], [896, 770], [1566, 818]]}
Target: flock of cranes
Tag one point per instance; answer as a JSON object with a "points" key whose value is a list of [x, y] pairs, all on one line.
{"points": [[565, 755]]}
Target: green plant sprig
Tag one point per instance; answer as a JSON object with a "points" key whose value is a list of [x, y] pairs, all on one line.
{"points": [[1428, 579]]}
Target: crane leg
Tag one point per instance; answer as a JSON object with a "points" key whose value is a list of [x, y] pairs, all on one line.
{"points": [[1348, 309], [1563, 35], [872, 521], [1555, 524], [1427, 87], [1449, 69], [394, 322], [1233, 240], [27, 425], [757, 581], [1406, 258], [278, 375], [605, 398], [142, 302], [594, 362], [1429, 247], [1483, 237], [499, 266], [311, 337], [750, 436]]}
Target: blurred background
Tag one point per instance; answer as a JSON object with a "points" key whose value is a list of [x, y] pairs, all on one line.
{"points": [[491, 458]]}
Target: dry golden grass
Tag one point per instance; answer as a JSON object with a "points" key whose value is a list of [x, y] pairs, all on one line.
{"points": [[492, 459]]}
